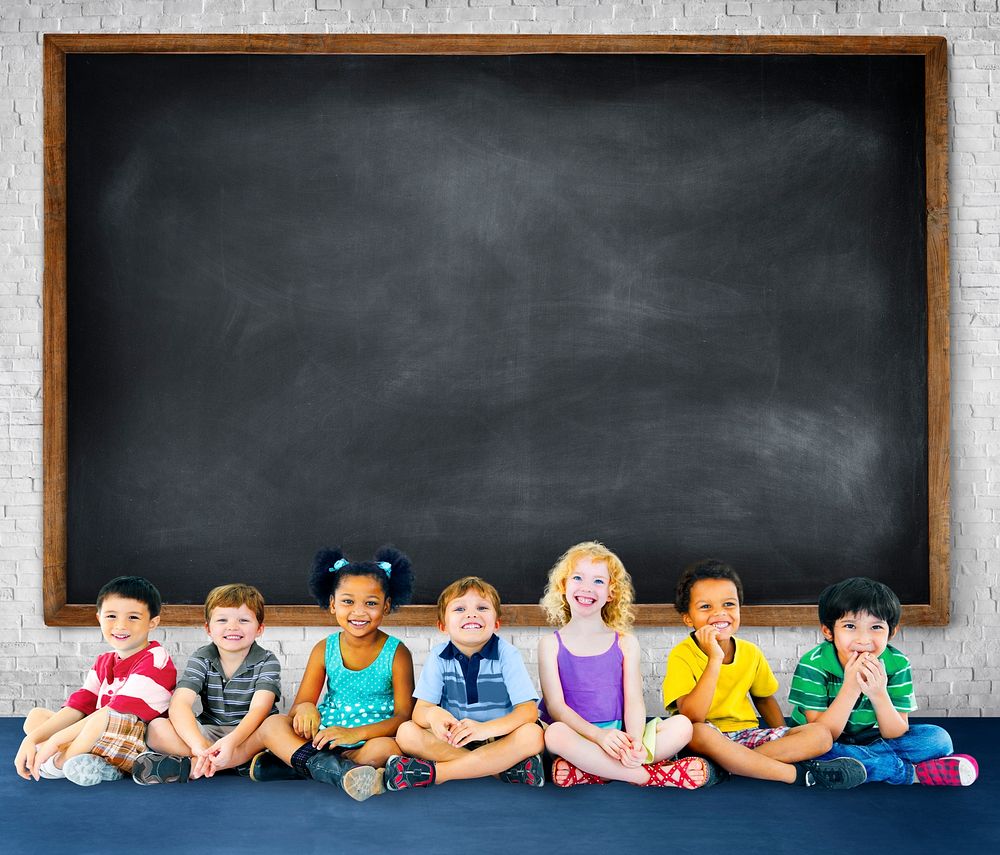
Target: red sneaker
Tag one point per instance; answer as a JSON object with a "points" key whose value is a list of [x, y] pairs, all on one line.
{"points": [[955, 770]]}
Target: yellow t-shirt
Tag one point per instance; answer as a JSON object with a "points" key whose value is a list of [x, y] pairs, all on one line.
{"points": [[747, 674]]}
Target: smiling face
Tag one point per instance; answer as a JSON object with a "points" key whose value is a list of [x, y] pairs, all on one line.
{"points": [[233, 630], [470, 620], [359, 604], [714, 602], [125, 624], [858, 632], [587, 587]]}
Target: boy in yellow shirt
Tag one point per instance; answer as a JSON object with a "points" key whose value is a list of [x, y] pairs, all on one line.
{"points": [[723, 683]]}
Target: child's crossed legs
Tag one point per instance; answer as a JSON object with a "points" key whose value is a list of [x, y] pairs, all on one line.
{"points": [[489, 758], [771, 761]]}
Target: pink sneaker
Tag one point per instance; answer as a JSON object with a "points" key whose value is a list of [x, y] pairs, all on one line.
{"points": [[955, 770]]}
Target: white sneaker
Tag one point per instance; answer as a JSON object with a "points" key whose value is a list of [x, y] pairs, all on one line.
{"points": [[49, 770], [89, 769]]}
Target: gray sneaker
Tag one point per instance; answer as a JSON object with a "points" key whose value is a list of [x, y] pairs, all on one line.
{"points": [[89, 769], [843, 773]]}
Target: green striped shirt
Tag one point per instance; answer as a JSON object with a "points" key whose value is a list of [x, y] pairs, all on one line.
{"points": [[820, 675]]}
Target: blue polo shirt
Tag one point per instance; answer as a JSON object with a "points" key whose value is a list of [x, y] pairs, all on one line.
{"points": [[481, 687]]}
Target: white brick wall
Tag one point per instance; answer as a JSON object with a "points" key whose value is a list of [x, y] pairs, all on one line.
{"points": [[957, 668]]}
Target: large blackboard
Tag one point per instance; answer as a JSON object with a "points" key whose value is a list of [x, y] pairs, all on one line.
{"points": [[484, 307]]}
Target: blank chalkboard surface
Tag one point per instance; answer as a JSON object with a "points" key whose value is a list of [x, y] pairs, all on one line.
{"points": [[486, 306]]}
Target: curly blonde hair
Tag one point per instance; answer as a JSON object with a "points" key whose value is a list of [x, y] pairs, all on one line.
{"points": [[617, 612]]}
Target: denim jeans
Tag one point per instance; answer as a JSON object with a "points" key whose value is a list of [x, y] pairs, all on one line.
{"points": [[891, 760]]}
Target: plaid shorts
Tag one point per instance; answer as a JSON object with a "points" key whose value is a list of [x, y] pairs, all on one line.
{"points": [[754, 737], [123, 740]]}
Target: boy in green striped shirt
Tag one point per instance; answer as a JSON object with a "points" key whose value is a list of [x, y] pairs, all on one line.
{"points": [[861, 688]]}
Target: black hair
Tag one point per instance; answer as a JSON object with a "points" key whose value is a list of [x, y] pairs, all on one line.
{"points": [[396, 582], [707, 568], [859, 594], [132, 588]]}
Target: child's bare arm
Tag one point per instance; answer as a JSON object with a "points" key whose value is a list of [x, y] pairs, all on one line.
{"points": [[183, 721], [696, 703], [768, 709], [635, 704], [304, 714]]}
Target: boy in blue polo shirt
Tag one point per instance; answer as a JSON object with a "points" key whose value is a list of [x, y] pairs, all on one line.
{"points": [[477, 709]]}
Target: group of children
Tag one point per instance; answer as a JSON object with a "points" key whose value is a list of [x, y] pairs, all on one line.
{"points": [[361, 723]]}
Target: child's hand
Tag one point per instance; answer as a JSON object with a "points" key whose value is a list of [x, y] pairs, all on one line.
{"points": [[201, 763], [708, 640], [333, 736], [852, 668], [307, 720], [220, 755], [25, 758], [43, 751], [442, 723], [633, 756], [466, 731], [614, 742], [872, 676]]}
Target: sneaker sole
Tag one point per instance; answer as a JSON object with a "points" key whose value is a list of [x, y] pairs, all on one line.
{"points": [[363, 782], [89, 770], [152, 768]]}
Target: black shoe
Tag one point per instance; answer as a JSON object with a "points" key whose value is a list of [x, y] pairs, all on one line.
{"points": [[843, 773], [153, 768], [359, 782], [402, 773], [266, 767], [528, 772]]}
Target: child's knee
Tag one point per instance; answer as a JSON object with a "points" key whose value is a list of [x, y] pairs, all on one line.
{"points": [[557, 735], [36, 718], [934, 741], [159, 728], [676, 727], [531, 738], [409, 736], [820, 736], [702, 736]]}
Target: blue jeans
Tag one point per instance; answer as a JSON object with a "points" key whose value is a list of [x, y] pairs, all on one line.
{"points": [[891, 760]]}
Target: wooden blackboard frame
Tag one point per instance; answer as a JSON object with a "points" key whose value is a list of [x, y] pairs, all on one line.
{"points": [[58, 612]]}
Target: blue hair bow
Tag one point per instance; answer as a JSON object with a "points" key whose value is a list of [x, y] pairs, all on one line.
{"points": [[343, 562]]}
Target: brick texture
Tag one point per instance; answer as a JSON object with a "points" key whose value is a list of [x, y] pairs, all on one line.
{"points": [[957, 668]]}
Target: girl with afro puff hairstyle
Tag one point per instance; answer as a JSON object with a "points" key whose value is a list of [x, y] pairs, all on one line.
{"points": [[367, 675]]}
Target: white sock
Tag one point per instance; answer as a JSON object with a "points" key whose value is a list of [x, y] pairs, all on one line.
{"points": [[48, 769]]}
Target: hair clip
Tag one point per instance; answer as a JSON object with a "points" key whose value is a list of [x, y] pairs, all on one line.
{"points": [[385, 565], [341, 562]]}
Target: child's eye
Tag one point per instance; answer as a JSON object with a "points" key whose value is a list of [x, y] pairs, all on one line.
{"points": [[848, 626], [598, 581], [371, 604], [576, 578]]}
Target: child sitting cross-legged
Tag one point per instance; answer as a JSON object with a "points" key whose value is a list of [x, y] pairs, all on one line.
{"points": [[345, 738], [238, 682], [98, 734], [723, 683], [592, 686], [861, 688], [476, 708]]}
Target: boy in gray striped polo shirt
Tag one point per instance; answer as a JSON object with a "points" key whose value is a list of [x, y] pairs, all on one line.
{"points": [[239, 684], [861, 688]]}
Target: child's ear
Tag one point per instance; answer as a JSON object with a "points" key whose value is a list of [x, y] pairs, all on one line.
{"points": [[687, 620], [260, 630], [155, 622], [892, 634], [441, 627], [387, 606], [827, 632], [206, 628]]}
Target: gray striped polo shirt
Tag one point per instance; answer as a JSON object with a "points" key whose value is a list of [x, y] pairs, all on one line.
{"points": [[226, 702]]}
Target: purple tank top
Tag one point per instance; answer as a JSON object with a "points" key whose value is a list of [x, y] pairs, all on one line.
{"points": [[592, 685]]}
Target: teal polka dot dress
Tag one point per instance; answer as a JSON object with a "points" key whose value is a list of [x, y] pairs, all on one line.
{"points": [[354, 698]]}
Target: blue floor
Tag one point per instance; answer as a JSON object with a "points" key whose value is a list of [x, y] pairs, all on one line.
{"points": [[741, 817]]}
